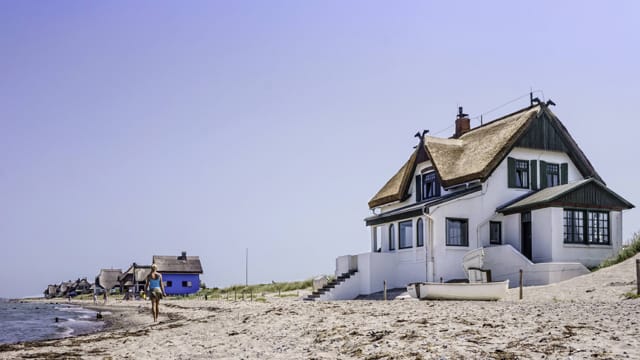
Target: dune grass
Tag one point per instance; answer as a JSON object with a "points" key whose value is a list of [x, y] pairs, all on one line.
{"points": [[256, 291], [624, 254]]}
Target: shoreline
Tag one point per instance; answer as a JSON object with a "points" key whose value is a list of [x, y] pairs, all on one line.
{"points": [[584, 317]]}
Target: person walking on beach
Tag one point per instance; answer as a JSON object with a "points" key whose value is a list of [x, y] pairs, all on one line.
{"points": [[155, 287]]}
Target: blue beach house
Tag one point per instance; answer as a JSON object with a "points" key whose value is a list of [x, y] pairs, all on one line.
{"points": [[181, 274]]}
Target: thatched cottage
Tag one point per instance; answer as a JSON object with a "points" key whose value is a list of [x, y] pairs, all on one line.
{"points": [[134, 278], [514, 193], [107, 279]]}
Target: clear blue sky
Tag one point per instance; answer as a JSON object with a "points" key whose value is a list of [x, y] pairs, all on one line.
{"points": [[133, 129]]}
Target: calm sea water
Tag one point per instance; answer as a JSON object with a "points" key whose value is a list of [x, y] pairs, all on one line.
{"points": [[31, 321]]}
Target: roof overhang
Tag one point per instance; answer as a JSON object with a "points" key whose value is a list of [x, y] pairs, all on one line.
{"points": [[417, 209], [588, 194]]}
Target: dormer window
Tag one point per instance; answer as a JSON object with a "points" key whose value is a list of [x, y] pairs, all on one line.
{"points": [[518, 173], [427, 186], [430, 186]]}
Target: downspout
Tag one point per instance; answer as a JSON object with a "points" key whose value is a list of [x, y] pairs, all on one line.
{"points": [[429, 258]]}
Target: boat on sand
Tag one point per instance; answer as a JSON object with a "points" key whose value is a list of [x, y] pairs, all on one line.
{"points": [[458, 291]]}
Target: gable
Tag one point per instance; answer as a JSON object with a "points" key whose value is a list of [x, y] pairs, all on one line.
{"points": [[546, 132]]}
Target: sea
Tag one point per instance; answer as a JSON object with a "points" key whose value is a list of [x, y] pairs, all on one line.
{"points": [[27, 321]]}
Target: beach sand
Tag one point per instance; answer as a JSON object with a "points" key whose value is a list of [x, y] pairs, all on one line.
{"points": [[584, 317]]}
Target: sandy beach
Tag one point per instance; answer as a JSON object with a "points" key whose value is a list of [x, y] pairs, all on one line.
{"points": [[585, 317]]}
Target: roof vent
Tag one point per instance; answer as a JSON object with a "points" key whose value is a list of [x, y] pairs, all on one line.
{"points": [[463, 123], [183, 256]]}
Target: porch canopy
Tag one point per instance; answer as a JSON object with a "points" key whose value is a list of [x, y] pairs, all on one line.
{"points": [[588, 193]]}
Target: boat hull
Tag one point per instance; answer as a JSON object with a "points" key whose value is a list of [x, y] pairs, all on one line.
{"points": [[459, 291]]}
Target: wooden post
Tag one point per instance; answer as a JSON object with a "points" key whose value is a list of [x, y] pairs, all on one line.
{"points": [[251, 291], [242, 294], [520, 284], [385, 290], [638, 275], [235, 294]]}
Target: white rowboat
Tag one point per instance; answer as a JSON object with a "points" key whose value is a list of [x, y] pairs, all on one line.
{"points": [[459, 291]]}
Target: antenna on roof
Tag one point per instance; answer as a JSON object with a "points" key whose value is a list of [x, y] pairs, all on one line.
{"points": [[550, 103]]}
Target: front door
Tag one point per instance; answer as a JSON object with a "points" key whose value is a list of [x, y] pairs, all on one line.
{"points": [[525, 219]]}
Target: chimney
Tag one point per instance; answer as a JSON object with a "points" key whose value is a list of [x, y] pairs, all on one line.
{"points": [[183, 256], [463, 123]]}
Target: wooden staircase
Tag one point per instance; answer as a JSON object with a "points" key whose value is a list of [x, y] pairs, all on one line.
{"points": [[330, 285]]}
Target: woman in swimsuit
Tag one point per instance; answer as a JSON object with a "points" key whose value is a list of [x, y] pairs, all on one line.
{"points": [[155, 288]]}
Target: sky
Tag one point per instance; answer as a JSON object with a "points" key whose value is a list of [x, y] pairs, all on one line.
{"points": [[129, 130]]}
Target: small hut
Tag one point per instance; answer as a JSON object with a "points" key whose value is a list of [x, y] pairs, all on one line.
{"points": [[181, 274]]}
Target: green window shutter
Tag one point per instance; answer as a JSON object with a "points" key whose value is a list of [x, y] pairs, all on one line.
{"points": [[564, 173], [511, 169], [533, 167], [418, 188], [543, 174]]}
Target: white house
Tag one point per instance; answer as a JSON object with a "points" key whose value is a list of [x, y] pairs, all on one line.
{"points": [[514, 193]]}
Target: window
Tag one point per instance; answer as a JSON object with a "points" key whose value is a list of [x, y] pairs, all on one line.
{"points": [[586, 227], [430, 186], [573, 227], [518, 173], [186, 284], [392, 237], [420, 232], [457, 232], [552, 172], [406, 234], [495, 232], [598, 227], [169, 283]]}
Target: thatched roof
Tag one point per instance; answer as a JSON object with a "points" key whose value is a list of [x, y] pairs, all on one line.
{"points": [[392, 190], [140, 272], [108, 278], [475, 154], [178, 264]]}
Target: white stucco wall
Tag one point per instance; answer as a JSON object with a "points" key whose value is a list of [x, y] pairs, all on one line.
{"points": [[544, 225]]}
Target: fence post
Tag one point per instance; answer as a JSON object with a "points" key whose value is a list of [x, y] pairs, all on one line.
{"points": [[520, 284], [235, 295], [638, 275], [385, 290], [251, 292]]}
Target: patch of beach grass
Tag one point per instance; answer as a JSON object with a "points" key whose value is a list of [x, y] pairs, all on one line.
{"points": [[239, 292], [625, 253]]}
